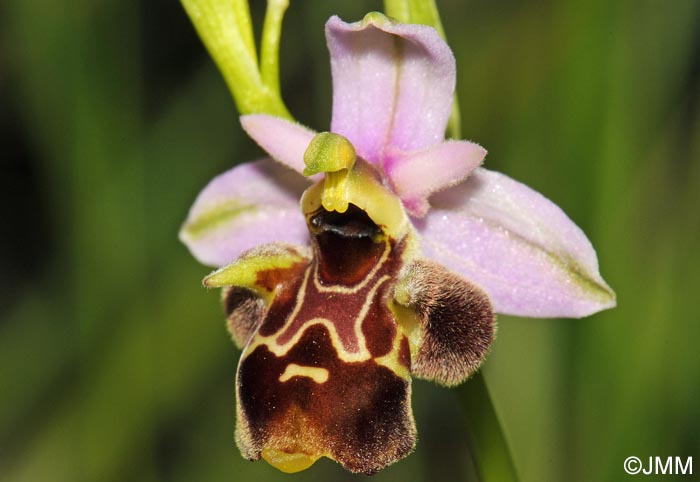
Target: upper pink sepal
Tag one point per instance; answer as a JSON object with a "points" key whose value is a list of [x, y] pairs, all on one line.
{"points": [[392, 84], [252, 204], [519, 246]]}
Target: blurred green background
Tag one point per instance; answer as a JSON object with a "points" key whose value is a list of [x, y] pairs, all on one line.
{"points": [[114, 362]]}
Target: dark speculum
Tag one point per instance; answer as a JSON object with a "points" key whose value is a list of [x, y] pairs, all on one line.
{"points": [[353, 223], [348, 245]]}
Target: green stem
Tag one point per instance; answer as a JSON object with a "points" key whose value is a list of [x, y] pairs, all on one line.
{"points": [[454, 125], [425, 12], [398, 9], [225, 28], [488, 443], [270, 45], [244, 23]]}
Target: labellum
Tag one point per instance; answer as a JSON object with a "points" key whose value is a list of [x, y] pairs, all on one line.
{"points": [[332, 335]]}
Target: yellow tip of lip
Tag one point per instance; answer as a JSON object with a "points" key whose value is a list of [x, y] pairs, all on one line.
{"points": [[288, 463]]}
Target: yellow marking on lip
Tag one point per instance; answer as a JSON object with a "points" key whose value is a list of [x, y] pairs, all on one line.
{"points": [[409, 324], [391, 359], [279, 350], [319, 375], [361, 355], [359, 286], [301, 295]]}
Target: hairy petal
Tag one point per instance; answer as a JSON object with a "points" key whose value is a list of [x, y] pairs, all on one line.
{"points": [[516, 244], [392, 84], [252, 204], [416, 175], [284, 140]]}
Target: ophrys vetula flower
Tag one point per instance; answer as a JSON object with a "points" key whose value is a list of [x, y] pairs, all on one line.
{"points": [[337, 304]]}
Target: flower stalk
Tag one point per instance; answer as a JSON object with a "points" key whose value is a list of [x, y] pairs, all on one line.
{"points": [[226, 29], [270, 45]]}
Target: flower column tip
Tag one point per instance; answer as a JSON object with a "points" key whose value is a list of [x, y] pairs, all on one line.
{"points": [[335, 156]]}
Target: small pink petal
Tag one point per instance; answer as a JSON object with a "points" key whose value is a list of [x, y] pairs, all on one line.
{"points": [[416, 175], [285, 141], [252, 204], [519, 246], [392, 85], [417, 207]]}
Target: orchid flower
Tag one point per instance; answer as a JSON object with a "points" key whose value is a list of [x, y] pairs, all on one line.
{"points": [[393, 266]]}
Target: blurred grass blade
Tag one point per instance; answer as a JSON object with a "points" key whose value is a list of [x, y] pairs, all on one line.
{"points": [[489, 446]]}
